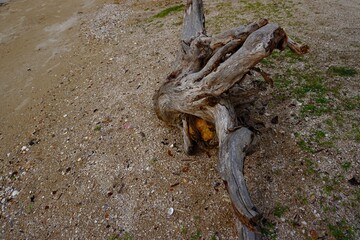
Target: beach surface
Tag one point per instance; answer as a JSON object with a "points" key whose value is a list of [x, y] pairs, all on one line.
{"points": [[83, 155]]}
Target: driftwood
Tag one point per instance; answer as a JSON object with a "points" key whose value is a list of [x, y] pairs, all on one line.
{"points": [[201, 93]]}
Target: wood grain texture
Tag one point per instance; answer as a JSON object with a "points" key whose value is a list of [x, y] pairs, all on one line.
{"points": [[206, 71]]}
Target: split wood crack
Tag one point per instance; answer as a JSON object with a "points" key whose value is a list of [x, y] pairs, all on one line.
{"points": [[196, 96]]}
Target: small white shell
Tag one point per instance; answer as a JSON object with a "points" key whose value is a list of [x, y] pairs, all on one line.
{"points": [[170, 211]]}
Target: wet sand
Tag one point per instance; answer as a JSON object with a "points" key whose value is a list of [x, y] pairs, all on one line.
{"points": [[36, 41]]}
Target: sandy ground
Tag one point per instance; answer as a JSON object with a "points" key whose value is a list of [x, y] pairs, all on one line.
{"points": [[83, 155]]}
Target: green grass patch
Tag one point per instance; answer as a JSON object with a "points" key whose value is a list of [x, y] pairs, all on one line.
{"points": [[286, 56], [269, 9], [305, 146], [319, 135], [342, 71], [196, 236], [315, 86], [214, 237], [97, 128], [30, 208], [280, 210], [342, 231], [310, 166], [332, 185], [328, 189], [282, 82], [319, 138], [223, 6], [356, 132], [351, 103], [170, 10], [184, 230], [346, 166], [268, 230], [357, 196], [322, 100], [267, 61], [315, 110]]}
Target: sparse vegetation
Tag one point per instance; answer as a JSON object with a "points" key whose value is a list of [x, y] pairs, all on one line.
{"points": [[280, 210], [170, 10], [343, 71], [305, 146], [268, 229], [184, 230], [356, 131], [346, 166], [310, 166], [342, 231], [30, 208], [97, 128], [196, 236], [318, 103]]}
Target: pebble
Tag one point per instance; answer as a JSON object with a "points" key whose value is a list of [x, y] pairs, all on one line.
{"points": [[15, 193], [170, 211], [24, 149]]}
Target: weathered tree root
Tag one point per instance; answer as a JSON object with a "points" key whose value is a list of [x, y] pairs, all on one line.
{"points": [[208, 68]]}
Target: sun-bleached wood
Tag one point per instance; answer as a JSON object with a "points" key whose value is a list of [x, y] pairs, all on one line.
{"points": [[206, 70]]}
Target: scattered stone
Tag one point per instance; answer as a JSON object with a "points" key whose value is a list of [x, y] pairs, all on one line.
{"points": [[24, 149], [14, 193], [128, 126], [170, 211]]}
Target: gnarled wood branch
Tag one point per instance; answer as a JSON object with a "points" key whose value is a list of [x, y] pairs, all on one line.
{"points": [[206, 69]]}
